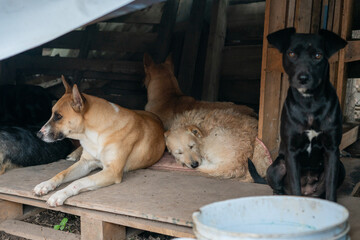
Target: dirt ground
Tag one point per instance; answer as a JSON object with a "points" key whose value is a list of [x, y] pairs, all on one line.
{"points": [[49, 218]]}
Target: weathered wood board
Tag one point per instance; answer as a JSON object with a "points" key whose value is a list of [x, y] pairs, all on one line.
{"points": [[148, 194]]}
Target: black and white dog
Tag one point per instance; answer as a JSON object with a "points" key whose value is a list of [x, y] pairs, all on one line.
{"points": [[23, 110], [311, 120]]}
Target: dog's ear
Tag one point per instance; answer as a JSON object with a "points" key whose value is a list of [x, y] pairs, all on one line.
{"points": [[147, 60], [169, 62], [78, 100], [195, 131], [281, 38], [333, 42], [66, 85], [166, 134]]}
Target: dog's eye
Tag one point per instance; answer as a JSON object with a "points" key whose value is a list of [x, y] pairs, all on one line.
{"points": [[57, 116], [291, 54], [191, 146], [318, 55], [179, 152]]}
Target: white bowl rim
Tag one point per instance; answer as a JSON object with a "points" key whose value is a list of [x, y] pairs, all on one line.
{"points": [[270, 235]]}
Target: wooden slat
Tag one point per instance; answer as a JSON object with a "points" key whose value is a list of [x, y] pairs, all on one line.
{"points": [[35, 232], [55, 63], [303, 16], [147, 225], [345, 34], [10, 210], [106, 41], [95, 229], [214, 50], [316, 16], [166, 26], [149, 15], [241, 62], [245, 22], [352, 51], [349, 137], [269, 109], [191, 46]]}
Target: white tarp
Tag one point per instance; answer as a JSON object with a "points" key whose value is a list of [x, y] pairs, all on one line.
{"points": [[25, 24]]}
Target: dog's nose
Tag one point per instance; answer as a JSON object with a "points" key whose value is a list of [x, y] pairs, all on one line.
{"points": [[303, 78], [39, 134], [194, 164]]}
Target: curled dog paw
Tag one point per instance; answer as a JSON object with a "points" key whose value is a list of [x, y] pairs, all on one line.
{"points": [[44, 187], [57, 199]]}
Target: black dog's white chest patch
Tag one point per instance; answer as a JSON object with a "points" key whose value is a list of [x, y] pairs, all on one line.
{"points": [[311, 134]]}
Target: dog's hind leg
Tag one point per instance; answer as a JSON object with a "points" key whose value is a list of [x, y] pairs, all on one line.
{"points": [[275, 175], [79, 169]]}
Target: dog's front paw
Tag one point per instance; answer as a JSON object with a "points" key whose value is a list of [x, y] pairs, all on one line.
{"points": [[57, 199], [44, 187]]}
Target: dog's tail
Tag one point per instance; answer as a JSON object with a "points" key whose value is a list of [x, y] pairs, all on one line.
{"points": [[254, 174]]}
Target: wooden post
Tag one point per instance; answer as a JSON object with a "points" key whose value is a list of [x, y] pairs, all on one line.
{"points": [[166, 26], [271, 81], [214, 50], [10, 210], [94, 229], [345, 33], [191, 46]]}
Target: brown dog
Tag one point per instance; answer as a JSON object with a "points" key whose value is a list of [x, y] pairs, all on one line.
{"points": [[113, 138], [218, 142], [165, 98]]}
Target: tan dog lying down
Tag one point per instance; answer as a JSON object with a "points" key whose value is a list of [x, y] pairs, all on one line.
{"points": [[165, 98], [113, 138], [217, 142]]}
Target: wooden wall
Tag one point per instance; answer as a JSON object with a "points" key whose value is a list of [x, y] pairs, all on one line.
{"points": [[105, 58]]}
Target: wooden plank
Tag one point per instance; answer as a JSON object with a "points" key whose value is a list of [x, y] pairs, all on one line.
{"points": [[345, 34], [352, 51], [146, 194], [275, 65], [349, 137], [166, 26], [10, 210], [35, 232], [191, 46], [303, 16], [98, 65], [245, 22], [149, 15], [106, 41], [316, 16], [269, 109], [95, 229], [214, 50], [144, 224], [241, 62]]}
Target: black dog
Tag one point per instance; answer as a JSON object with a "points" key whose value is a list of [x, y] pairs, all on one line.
{"points": [[23, 110], [311, 120], [20, 147]]}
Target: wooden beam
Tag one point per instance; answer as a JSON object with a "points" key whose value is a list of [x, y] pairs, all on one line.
{"points": [[303, 16], [215, 47], [98, 65], [35, 232], [191, 46], [350, 135], [166, 27], [270, 109], [352, 51], [10, 210], [345, 34], [99, 230]]}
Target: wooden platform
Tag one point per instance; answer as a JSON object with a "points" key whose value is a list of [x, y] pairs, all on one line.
{"points": [[152, 200]]}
